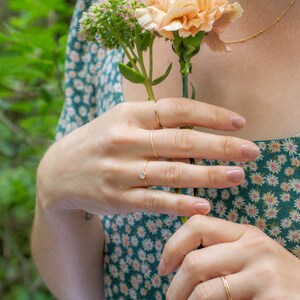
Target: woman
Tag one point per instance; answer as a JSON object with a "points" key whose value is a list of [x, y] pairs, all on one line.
{"points": [[104, 166]]}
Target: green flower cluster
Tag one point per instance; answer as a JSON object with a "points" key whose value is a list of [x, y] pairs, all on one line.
{"points": [[111, 23]]}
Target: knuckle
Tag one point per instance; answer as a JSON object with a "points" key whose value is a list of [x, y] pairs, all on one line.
{"points": [[261, 244], [153, 203], [213, 177], [190, 264], [121, 108], [127, 112], [226, 146], [205, 290], [195, 222], [181, 207], [109, 172], [183, 107], [116, 140], [216, 114], [173, 174], [184, 140], [253, 228], [265, 245]]}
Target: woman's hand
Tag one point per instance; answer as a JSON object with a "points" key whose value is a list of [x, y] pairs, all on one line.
{"points": [[255, 266], [96, 167]]}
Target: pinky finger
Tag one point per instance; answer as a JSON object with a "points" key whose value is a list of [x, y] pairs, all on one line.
{"points": [[156, 201]]}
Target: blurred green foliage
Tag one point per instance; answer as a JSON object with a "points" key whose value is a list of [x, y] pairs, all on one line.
{"points": [[33, 36]]}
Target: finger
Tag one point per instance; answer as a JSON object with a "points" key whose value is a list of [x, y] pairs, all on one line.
{"points": [[204, 264], [185, 143], [175, 112], [198, 230], [240, 285], [182, 175], [156, 201]]}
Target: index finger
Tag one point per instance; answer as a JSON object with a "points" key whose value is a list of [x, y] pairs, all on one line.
{"points": [[198, 230], [176, 112]]}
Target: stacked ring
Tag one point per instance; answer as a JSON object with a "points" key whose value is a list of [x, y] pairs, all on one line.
{"points": [[156, 114], [152, 144], [143, 174], [227, 289]]}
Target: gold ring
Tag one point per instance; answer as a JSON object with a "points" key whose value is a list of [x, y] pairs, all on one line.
{"points": [[143, 174], [156, 114], [152, 143], [227, 288]]}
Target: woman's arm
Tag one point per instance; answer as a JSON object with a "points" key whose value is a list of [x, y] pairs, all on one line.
{"points": [[68, 250]]}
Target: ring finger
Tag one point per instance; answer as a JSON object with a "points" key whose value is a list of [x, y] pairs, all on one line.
{"points": [[182, 175]]}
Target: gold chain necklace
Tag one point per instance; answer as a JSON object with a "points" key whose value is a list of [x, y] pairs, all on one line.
{"points": [[263, 30]]}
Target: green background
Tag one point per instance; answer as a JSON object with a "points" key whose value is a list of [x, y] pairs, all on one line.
{"points": [[33, 36]]}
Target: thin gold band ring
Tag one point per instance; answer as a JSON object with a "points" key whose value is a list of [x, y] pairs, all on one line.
{"points": [[227, 288], [152, 144], [156, 115]]}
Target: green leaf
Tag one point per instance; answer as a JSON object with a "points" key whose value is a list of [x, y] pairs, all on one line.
{"points": [[146, 38], [129, 64], [130, 74], [193, 96], [163, 77], [176, 44], [194, 41]]}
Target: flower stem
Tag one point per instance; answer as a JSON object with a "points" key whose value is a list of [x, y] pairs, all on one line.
{"points": [[149, 89], [148, 81], [139, 59], [185, 85], [151, 59], [185, 94], [125, 49]]}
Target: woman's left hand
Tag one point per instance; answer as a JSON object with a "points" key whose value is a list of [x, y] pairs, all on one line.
{"points": [[254, 266]]}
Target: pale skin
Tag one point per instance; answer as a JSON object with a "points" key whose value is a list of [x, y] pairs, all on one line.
{"points": [[255, 266], [94, 169], [98, 173]]}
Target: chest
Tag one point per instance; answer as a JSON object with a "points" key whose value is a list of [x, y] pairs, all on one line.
{"points": [[258, 79]]}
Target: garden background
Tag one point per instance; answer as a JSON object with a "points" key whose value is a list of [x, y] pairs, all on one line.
{"points": [[33, 35]]}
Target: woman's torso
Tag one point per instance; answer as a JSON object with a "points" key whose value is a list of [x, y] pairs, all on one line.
{"points": [[258, 79], [268, 198]]}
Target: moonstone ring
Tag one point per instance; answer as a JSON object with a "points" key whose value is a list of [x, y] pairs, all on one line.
{"points": [[143, 174]]}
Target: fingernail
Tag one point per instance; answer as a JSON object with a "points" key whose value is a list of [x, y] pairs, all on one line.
{"points": [[235, 175], [162, 268], [202, 208], [250, 151], [238, 121]]}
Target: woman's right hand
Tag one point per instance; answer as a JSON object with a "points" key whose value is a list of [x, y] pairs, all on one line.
{"points": [[96, 167]]}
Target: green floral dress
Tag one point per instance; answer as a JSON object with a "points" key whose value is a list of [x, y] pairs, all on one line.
{"points": [[269, 197]]}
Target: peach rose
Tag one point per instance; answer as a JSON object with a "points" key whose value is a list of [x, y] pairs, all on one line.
{"points": [[188, 17]]}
